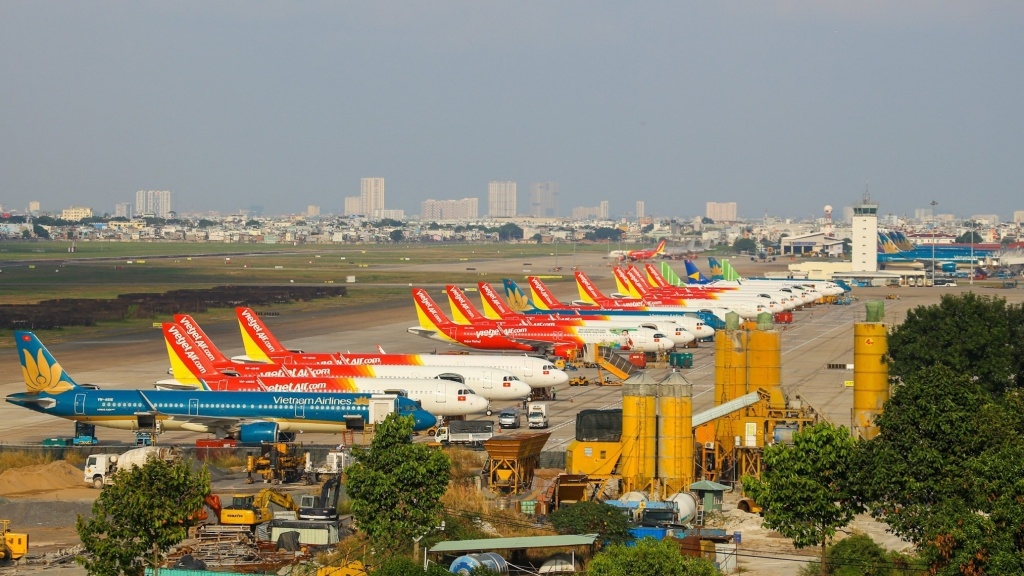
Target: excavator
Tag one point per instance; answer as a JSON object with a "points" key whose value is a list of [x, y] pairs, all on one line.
{"points": [[14, 546], [324, 506], [253, 509], [277, 463]]}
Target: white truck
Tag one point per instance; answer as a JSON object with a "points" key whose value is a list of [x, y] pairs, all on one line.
{"points": [[100, 468], [537, 415], [465, 432]]}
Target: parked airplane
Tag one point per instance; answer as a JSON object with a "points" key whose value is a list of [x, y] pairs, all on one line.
{"points": [[823, 287], [495, 308], [262, 346], [770, 296], [462, 308], [791, 294], [555, 339], [641, 254], [489, 382], [590, 293], [248, 416], [437, 396], [544, 302]]}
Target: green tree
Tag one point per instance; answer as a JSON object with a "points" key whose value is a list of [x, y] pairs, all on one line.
{"points": [[977, 335], [937, 481], [609, 234], [397, 235], [592, 518], [747, 245], [139, 517], [647, 229], [806, 489], [649, 557], [249, 223], [969, 237], [403, 566], [396, 486], [856, 555], [509, 231]]}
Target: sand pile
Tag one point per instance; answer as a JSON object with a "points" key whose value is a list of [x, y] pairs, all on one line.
{"points": [[56, 475]]}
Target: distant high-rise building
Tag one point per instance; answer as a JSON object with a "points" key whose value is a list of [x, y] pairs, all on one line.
{"points": [[34, 207], [721, 211], [501, 199], [155, 202], [353, 205], [465, 209], [122, 210], [923, 214], [544, 199], [371, 195], [312, 211], [75, 213], [1018, 216], [640, 209], [603, 213]]}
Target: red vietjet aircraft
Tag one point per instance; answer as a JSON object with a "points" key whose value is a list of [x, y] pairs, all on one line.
{"points": [[646, 254]]}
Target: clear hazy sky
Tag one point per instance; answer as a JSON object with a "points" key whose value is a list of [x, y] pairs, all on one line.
{"points": [[782, 106]]}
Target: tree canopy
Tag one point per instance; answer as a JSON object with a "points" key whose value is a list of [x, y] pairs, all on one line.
{"points": [[139, 517], [745, 245], [509, 231], [592, 518], [946, 470], [974, 335], [648, 557], [396, 486], [806, 489]]}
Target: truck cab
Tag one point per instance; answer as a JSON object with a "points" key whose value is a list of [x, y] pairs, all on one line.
{"points": [[537, 415]]}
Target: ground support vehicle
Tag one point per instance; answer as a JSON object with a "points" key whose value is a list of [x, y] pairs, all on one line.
{"points": [[537, 415], [278, 462], [472, 432], [253, 509], [14, 546], [100, 468]]}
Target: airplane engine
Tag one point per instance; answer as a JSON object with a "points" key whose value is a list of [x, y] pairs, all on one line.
{"points": [[257, 432]]}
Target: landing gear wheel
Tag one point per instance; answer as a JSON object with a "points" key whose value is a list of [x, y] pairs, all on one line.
{"points": [[489, 412]]}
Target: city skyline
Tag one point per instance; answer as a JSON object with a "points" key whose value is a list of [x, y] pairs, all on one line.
{"points": [[781, 107]]}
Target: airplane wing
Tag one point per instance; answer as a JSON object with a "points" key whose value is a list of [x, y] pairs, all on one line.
{"points": [[194, 422], [421, 331]]}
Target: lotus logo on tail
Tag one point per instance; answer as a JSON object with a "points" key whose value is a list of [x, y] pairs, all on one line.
{"points": [[39, 374], [516, 301]]}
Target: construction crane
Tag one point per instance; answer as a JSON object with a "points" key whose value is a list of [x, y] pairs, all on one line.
{"points": [[253, 509]]}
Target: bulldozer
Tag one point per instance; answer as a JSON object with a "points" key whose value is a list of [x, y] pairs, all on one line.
{"points": [[253, 509], [14, 545], [277, 463]]}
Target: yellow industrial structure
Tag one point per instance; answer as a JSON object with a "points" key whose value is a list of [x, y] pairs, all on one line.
{"points": [[870, 370], [512, 461]]}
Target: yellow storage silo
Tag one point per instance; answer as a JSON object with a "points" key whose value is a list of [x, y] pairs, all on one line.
{"points": [[730, 365], [639, 429], [675, 434], [870, 371], [764, 364]]}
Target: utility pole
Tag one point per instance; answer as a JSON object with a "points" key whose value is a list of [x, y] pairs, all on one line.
{"points": [[934, 204]]}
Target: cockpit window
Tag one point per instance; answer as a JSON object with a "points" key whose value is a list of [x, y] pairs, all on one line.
{"points": [[659, 335], [549, 367]]}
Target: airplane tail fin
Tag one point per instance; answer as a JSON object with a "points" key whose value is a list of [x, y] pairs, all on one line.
{"points": [[463, 311], [40, 370], [189, 365], [260, 344], [661, 247], [622, 284], [693, 274], [654, 277], [588, 292], [728, 272], [638, 284], [517, 299], [203, 342], [494, 307], [543, 296], [716, 268], [429, 314], [669, 274], [380, 349]]}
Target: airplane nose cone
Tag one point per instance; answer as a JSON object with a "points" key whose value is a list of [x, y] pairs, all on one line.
{"points": [[683, 338], [666, 344], [422, 420], [521, 389], [558, 377]]}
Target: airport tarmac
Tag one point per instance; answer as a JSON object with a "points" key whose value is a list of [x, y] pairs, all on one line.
{"points": [[819, 335]]}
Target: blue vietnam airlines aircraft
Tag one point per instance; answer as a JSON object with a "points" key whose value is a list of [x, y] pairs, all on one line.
{"points": [[249, 416]]}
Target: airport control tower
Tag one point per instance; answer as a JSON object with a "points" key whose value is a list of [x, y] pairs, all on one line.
{"points": [[865, 236]]}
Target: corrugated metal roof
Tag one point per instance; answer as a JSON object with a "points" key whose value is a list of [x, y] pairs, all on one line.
{"points": [[709, 485], [731, 406], [514, 543]]}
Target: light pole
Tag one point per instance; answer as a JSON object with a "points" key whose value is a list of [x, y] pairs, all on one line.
{"points": [[934, 204]]}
